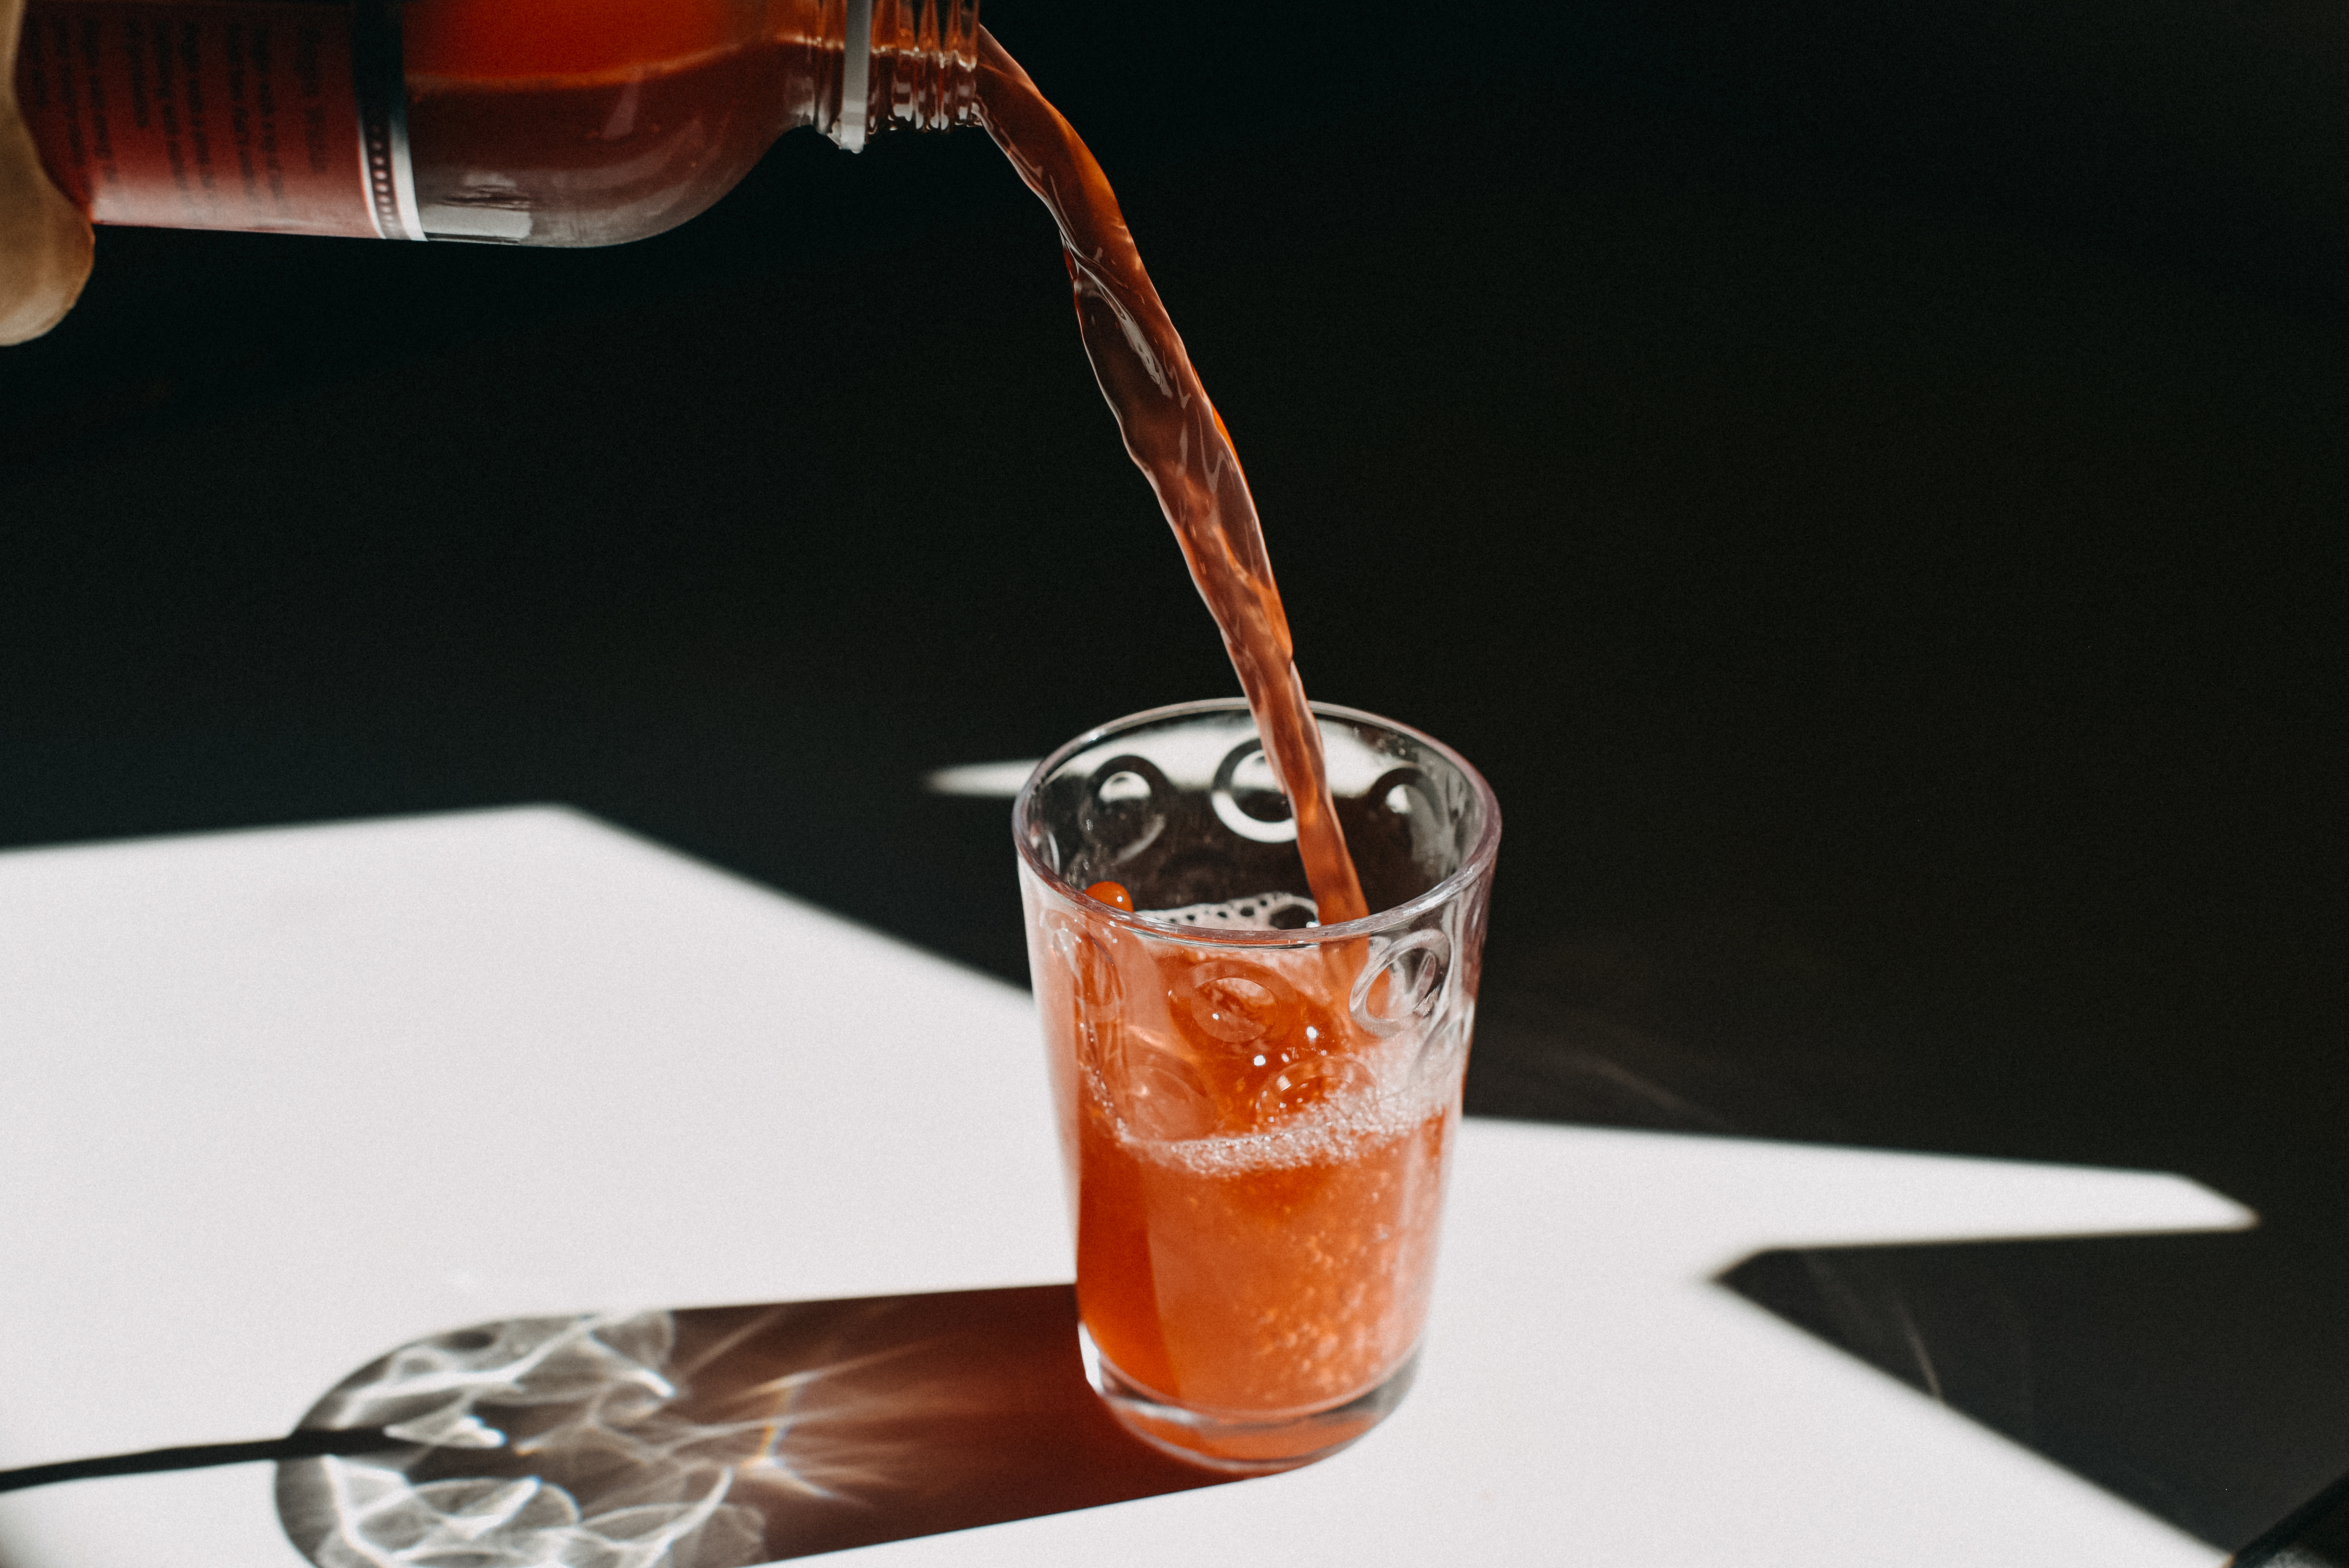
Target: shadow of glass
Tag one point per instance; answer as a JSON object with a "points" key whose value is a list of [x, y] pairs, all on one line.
{"points": [[716, 1437]]}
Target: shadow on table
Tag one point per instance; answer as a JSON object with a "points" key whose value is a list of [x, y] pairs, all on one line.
{"points": [[2202, 1377], [717, 1437]]}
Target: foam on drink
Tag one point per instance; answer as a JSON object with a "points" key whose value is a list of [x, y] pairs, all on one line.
{"points": [[1264, 912]]}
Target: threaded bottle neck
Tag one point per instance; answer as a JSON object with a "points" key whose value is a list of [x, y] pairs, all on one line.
{"points": [[919, 68]]}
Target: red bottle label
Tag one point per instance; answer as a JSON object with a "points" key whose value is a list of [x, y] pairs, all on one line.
{"points": [[210, 115]]}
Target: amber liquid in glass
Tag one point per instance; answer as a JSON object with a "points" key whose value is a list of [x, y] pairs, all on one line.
{"points": [[1275, 1260]]}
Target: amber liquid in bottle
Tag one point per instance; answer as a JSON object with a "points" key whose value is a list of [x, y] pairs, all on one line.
{"points": [[561, 122], [591, 121], [581, 125]]}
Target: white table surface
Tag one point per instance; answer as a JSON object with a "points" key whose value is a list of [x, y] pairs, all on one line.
{"points": [[272, 1103]]}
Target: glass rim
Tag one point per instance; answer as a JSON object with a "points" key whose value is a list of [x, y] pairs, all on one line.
{"points": [[1477, 863]]}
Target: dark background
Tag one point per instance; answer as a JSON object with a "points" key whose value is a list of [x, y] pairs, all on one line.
{"points": [[1864, 480]]}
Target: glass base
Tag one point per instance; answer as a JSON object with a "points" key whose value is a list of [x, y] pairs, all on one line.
{"points": [[1238, 1444]]}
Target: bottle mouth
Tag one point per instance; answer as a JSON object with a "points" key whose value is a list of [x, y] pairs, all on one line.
{"points": [[855, 76], [910, 63]]}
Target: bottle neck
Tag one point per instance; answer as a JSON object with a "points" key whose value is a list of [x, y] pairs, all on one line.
{"points": [[899, 64]]}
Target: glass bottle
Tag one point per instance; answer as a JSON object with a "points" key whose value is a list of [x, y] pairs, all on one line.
{"points": [[538, 122]]}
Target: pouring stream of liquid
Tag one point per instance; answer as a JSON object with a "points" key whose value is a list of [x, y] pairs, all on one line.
{"points": [[1177, 440]]}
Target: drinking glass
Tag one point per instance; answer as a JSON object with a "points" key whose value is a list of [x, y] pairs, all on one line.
{"points": [[1255, 1111]]}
